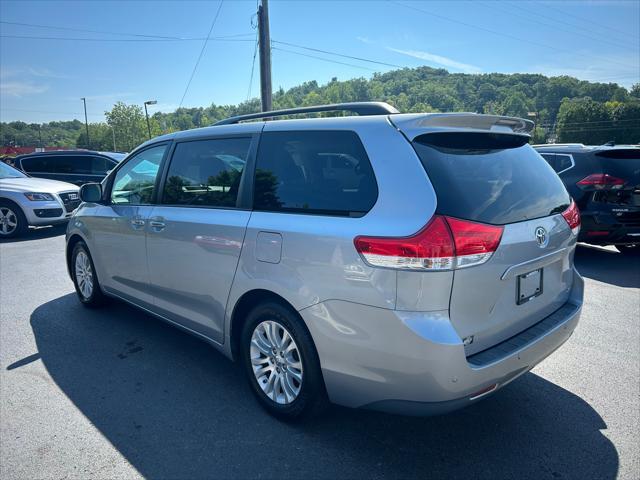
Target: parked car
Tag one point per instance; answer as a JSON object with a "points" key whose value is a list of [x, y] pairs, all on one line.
{"points": [[604, 181], [26, 201], [73, 166], [441, 275]]}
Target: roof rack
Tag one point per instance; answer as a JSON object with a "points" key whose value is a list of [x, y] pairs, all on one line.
{"points": [[361, 108], [558, 145]]}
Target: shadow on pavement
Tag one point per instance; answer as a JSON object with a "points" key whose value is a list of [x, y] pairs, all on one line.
{"points": [[175, 408], [38, 233], [608, 266]]}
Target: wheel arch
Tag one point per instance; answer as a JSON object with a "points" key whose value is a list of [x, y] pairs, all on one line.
{"points": [[243, 306], [71, 243]]}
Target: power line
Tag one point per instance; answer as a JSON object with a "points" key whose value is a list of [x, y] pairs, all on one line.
{"points": [[107, 32], [253, 67], [547, 5], [591, 123], [231, 38], [72, 29], [540, 22], [323, 59], [502, 34], [204, 45], [361, 59]]}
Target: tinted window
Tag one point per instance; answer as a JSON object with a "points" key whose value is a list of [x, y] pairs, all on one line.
{"points": [[490, 178], [36, 164], [206, 172], [134, 182], [562, 162], [101, 165], [314, 172], [72, 164]]}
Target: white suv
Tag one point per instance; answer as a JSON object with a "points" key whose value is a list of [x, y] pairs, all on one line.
{"points": [[27, 201]]}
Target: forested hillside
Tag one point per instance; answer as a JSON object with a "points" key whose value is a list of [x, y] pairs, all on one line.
{"points": [[564, 108]]}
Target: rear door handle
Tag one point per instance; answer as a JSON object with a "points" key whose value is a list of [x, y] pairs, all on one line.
{"points": [[157, 225]]}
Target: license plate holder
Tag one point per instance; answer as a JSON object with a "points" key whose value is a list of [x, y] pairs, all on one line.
{"points": [[529, 286]]}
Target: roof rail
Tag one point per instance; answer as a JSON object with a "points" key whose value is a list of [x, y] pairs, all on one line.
{"points": [[361, 108], [558, 145]]}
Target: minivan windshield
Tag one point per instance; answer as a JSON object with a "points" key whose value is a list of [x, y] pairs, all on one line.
{"points": [[7, 171], [490, 178]]}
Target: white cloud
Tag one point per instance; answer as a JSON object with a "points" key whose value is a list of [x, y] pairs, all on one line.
{"points": [[21, 89], [437, 59], [44, 73]]}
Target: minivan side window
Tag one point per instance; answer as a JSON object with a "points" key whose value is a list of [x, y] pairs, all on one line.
{"points": [[206, 172], [316, 172], [135, 181]]}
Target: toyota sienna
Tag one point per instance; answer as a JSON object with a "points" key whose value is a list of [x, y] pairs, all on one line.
{"points": [[410, 263]]}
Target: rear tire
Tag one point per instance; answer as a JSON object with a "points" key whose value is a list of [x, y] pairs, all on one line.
{"points": [[13, 223], [84, 276], [630, 250], [281, 363]]}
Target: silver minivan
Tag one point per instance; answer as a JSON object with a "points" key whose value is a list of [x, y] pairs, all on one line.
{"points": [[410, 263]]}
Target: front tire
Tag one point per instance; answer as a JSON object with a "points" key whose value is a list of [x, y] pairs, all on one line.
{"points": [[13, 223], [85, 279], [630, 250], [281, 363]]}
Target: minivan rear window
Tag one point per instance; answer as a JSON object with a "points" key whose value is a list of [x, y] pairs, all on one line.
{"points": [[490, 178]]}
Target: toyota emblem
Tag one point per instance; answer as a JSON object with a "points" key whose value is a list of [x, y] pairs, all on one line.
{"points": [[541, 237]]}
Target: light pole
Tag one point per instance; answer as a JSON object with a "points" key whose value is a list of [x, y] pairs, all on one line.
{"points": [[86, 122], [146, 114]]}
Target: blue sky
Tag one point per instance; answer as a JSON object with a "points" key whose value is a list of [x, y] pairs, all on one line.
{"points": [[42, 78]]}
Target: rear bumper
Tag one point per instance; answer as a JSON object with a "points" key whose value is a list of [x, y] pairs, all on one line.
{"points": [[610, 227], [414, 363]]}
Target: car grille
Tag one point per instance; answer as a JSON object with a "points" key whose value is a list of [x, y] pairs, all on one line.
{"points": [[70, 203], [628, 219]]}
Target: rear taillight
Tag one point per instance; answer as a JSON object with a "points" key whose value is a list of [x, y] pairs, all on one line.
{"points": [[444, 244], [475, 242], [601, 181], [572, 216]]}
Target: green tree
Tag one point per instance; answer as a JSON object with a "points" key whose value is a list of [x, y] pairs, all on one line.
{"points": [[129, 125], [583, 120]]}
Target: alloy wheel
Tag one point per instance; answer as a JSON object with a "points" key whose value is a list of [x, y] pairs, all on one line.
{"points": [[8, 221], [84, 274], [276, 362]]}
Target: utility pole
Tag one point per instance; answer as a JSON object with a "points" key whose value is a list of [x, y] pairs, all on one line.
{"points": [[86, 122], [113, 132], [264, 41]]}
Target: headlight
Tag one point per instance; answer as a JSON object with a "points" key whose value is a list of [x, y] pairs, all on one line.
{"points": [[39, 197]]}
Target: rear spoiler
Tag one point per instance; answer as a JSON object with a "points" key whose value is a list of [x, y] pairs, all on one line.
{"points": [[414, 125]]}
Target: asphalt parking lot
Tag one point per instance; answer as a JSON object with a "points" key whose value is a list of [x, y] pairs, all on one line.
{"points": [[114, 393]]}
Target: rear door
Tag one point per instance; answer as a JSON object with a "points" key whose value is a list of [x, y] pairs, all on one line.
{"points": [[498, 179], [195, 233]]}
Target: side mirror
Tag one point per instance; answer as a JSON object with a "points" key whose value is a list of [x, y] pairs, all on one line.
{"points": [[91, 192]]}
